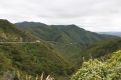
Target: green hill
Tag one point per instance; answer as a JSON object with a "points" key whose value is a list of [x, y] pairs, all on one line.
{"points": [[69, 40], [10, 33], [60, 33], [31, 58]]}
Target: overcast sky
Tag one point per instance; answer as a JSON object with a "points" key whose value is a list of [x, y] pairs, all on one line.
{"points": [[94, 15]]}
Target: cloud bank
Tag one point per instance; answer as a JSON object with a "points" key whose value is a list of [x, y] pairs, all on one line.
{"points": [[94, 15]]}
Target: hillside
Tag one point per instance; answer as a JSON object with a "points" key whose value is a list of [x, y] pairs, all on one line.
{"points": [[69, 40], [109, 69], [31, 58], [60, 33], [10, 33], [103, 48]]}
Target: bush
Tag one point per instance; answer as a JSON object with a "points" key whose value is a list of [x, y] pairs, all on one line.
{"points": [[100, 70]]}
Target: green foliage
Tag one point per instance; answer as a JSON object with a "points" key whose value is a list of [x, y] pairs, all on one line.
{"points": [[60, 33], [5, 63], [100, 70], [33, 58], [103, 48]]}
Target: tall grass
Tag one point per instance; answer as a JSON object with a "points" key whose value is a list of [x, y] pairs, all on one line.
{"points": [[22, 76]]}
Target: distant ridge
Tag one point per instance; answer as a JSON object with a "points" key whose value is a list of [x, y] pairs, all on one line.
{"points": [[111, 33]]}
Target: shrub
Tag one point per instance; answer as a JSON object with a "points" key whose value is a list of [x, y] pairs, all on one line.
{"points": [[100, 70]]}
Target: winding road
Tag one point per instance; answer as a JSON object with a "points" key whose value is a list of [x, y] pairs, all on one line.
{"points": [[17, 42]]}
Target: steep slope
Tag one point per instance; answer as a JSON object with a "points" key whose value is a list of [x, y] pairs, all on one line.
{"points": [[31, 58], [10, 33]]}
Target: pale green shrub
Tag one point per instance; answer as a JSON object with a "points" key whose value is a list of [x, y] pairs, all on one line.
{"points": [[100, 70]]}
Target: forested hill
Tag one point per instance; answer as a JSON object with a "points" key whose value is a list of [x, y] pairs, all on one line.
{"points": [[69, 40], [60, 33], [30, 58], [102, 49], [10, 33]]}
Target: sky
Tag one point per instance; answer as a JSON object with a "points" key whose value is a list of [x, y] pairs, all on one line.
{"points": [[93, 15]]}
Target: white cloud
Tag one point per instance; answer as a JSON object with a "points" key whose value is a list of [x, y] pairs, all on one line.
{"points": [[94, 15]]}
